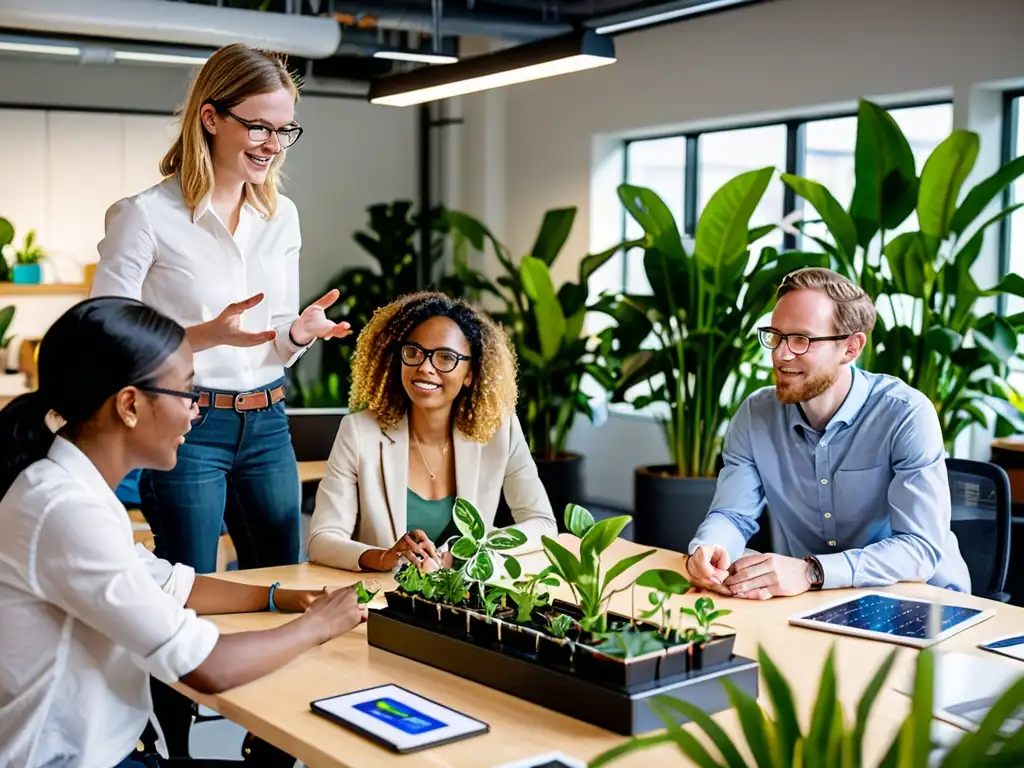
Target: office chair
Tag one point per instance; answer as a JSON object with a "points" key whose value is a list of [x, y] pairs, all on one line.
{"points": [[980, 496]]}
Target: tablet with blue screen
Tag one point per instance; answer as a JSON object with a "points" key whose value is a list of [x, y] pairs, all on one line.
{"points": [[398, 718], [894, 618]]}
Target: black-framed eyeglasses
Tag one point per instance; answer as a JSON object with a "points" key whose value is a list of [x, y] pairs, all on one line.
{"points": [[260, 133], [443, 359], [192, 395], [798, 343]]}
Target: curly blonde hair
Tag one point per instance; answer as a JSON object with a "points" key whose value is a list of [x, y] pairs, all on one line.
{"points": [[479, 410]]}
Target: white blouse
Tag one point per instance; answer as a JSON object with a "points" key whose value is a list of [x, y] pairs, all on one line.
{"points": [[86, 616], [190, 267]]}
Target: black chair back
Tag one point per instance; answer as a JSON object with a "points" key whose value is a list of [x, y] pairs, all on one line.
{"points": [[980, 496]]}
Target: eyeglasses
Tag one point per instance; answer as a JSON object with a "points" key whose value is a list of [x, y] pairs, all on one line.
{"points": [[798, 343], [444, 360], [193, 395], [260, 133]]}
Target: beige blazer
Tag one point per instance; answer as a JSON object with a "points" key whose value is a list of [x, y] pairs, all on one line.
{"points": [[360, 503]]}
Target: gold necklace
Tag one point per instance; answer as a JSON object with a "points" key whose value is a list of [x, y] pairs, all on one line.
{"points": [[444, 452]]}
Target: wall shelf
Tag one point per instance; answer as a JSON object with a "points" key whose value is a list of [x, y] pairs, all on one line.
{"points": [[43, 289]]}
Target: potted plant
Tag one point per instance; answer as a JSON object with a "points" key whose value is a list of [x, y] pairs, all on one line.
{"points": [[690, 347], [6, 316], [27, 260], [554, 354], [830, 740], [930, 330], [6, 238]]}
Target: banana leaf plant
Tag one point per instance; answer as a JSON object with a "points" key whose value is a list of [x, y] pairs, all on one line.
{"points": [[831, 741], [932, 331], [691, 344], [6, 238], [393, 242], [546, 326]]}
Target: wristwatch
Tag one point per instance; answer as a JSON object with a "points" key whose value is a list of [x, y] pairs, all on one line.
{"points": [[815, 573]]}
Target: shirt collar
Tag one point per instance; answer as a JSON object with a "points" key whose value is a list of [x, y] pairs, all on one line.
{"points": [[847, 412], [70, 458], [203, 207]]}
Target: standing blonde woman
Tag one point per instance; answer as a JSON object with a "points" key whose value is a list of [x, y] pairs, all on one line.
{"points": [[215, 246]]}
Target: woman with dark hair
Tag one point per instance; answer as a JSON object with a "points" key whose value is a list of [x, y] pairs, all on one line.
{"points": [[434, 387], [86, 616]]}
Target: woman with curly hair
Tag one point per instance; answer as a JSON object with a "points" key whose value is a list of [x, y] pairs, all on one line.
{"points": [[433, 399]]}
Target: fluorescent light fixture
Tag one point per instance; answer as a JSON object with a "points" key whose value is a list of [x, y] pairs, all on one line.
{"points": [[532, 61], [160, 58], [671, 12], [417, 56], [55, 49]]}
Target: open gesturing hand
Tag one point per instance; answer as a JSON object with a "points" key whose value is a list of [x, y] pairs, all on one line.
{"points": [[226, 328], [314, 324]]}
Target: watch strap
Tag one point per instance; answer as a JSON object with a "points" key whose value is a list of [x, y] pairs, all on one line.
{"points": [[817, 573]]}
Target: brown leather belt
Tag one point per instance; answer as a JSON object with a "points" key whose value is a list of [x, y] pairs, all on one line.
{"points": [[244, 401]]}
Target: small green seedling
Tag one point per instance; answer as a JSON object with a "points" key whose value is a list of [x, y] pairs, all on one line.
{"points": [[663, 584], [363, 596], [561, 625], [450, 585], [525, 593], [628, 642], [706, 615]]}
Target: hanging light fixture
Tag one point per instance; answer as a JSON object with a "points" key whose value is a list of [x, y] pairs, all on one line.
{"points": [[574, 52]]}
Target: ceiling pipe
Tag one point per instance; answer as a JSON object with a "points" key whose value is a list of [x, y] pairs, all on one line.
{"points": [[455, 24], [159, 21]]}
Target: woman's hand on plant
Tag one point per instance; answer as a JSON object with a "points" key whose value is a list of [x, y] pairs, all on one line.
{"points": [[296, 600], [762, 576], [708, 568], [313, 322], [415, 545], [335, 613]]}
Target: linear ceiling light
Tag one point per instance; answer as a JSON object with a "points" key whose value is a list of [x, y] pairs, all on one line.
{"points": [[160, 58], [532, 61], [16, 46], [669, 12], [417, 56]]}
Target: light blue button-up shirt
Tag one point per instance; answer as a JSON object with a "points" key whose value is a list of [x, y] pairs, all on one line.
{"points": [[868, 495]]}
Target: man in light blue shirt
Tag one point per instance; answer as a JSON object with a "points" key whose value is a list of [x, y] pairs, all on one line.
{"points": [[851, 464]]}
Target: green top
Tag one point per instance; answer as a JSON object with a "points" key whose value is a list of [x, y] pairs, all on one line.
{"points": [[432, 516]]}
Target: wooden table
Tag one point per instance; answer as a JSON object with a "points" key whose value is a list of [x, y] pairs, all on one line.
{"points": [[276, 707], [311, 471]]}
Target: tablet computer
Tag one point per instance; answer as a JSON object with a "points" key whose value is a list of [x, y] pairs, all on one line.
{"points": [[397, 718], [897, 619]]}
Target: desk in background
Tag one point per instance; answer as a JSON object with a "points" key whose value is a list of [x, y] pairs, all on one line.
{"points": [[276, 707]]}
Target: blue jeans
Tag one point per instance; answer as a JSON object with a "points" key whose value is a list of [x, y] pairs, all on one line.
{"points": [[235, 469]]}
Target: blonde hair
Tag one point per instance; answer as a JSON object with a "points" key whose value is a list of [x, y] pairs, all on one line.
{"points": [[853, 309], [480, 409], [230, 76]]}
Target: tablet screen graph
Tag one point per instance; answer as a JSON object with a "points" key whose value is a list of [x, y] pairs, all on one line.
{"points": [[889, 615], [399, 715]]}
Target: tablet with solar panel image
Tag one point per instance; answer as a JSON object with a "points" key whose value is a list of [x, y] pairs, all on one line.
{"points": [[893, 618]]}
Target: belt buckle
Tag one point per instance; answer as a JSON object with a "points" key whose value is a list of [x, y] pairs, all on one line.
{"points": [[239, 398]]}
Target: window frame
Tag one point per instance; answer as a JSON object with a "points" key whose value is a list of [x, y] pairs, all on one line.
{"points": [[1012, 102], [795, 157]]}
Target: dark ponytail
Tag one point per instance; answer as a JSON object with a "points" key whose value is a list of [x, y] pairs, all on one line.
{"points": [[92, 352]]}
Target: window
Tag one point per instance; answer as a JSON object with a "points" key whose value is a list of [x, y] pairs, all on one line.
{"points": [[686, 170], [1014, 259]]}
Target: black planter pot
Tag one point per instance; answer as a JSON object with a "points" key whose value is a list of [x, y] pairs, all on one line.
{"points": [[453, 619], [678, 660], [487, 631], [593, 665], [562, 478], [667, 510], [399, 601], [555, 652], [716, 651], [521, 638]]}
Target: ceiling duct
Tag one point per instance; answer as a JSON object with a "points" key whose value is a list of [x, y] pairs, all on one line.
{"points": [[159, 21]]}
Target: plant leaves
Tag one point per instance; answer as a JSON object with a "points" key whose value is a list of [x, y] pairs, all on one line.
{"points": [[885, 188], [713, 730], [838, 221], [787, 726], [984, 193], [624, 565], [942, 340], [601, 535], [824, 708], [944, 173], [506, 538], [687, 744], [481, 567], [754, 723], [724, 223], [867, 701], [664, 580], [996, 336], [546, 308], [1011, 283], [565, 562], [464, 548], [654, 217], [512, 567], [911, 260], [554, 231], [578, 520], [468, 520]]}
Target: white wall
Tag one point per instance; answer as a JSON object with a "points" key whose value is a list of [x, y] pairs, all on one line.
{"points": [[62, 169], [776, 58]]}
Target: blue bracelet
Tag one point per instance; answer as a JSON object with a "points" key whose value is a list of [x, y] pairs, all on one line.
{"points": [[271, 606]]}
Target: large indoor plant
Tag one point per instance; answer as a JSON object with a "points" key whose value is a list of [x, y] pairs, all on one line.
{"points": [[933, 330], [6, 316], [554, 353], [830, 741], [690, 347]]}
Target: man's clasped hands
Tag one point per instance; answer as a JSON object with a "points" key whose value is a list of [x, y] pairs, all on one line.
{"points": [[755, 577]]}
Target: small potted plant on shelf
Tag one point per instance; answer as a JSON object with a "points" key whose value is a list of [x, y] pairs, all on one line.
{"points": [[27, 260], [6, 316]]}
